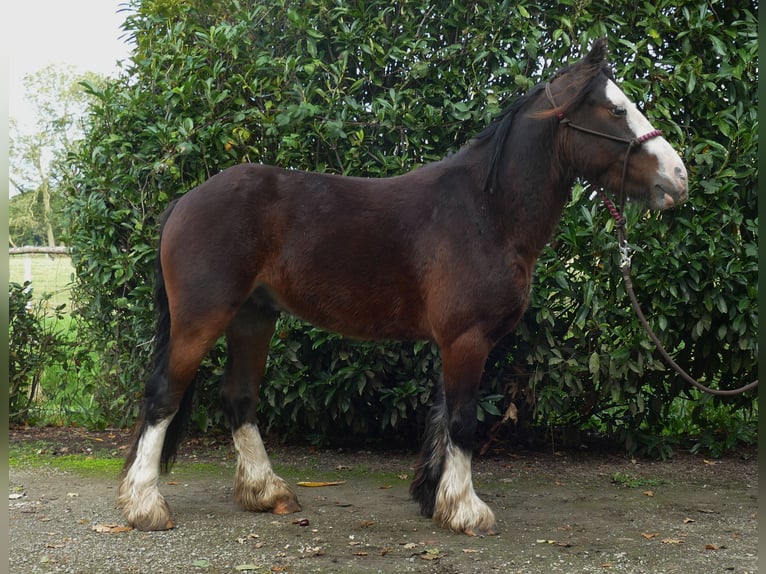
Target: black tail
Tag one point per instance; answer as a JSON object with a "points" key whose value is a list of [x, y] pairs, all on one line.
{"points": [[156, 395]]}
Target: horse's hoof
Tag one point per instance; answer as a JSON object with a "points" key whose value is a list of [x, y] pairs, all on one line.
{"points": [[286, 506], [148, 525]]}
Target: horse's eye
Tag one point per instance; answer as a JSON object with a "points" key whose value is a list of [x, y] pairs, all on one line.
{"points": [[618, 111]]}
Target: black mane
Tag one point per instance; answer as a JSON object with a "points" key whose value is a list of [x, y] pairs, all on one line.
{"points": [[590, 70]]}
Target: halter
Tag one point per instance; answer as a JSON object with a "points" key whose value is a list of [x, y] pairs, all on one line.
{"points": [[625, 249], [631, 142]]}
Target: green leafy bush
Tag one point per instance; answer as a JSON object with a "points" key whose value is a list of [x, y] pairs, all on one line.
{"points": [[34, 344], [376, 88]]}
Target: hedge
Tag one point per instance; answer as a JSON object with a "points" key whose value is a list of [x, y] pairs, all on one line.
{"points": [[375, 88]]}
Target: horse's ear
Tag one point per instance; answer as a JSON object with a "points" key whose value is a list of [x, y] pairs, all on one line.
{"points": [[598, 52]]}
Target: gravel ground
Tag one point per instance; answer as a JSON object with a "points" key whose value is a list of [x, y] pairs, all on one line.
{"points": [[566, 512]]}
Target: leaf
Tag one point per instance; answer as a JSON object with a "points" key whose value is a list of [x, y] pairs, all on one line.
{"points": [[594, 363], [245, 567], [201, 563], [430, 554], [315, 484], [671, 541], [111, 528]]}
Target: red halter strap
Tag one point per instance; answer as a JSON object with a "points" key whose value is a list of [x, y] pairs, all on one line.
{"points": [[631, 142]]}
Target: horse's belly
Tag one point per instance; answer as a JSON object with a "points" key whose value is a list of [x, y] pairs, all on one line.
{"points": [[364, 314]]}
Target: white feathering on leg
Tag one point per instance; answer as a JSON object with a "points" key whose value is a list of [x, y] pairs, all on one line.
{"points": [[457, 506], [139, 496], [256, 486]]}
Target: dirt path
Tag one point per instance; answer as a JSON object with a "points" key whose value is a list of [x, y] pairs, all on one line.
{"points": [[574, 513]]}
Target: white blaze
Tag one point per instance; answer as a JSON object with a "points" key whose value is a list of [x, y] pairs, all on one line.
{"points": [[670, 164]]}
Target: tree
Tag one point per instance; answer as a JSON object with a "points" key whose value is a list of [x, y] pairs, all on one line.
{"points": [[38, 152], [374, 88]]}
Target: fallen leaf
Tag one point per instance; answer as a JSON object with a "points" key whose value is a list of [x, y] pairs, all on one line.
{"points": [[430, 554], [711, 547], [385, 487], [201, 563], [366, 523], [470, 551], [245, 567], [650, 535], [321, 483], [607, 565], [672, 541], [360, 553], [688, 520], [649, 492], [410, 545], [111, 528], [403, 476], [172, 483], [342, 467], [72, 494], [511, 413], [16, 495]]}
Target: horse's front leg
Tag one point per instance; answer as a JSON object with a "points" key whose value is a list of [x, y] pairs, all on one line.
{"points": [[256, 486], [442, 483]]}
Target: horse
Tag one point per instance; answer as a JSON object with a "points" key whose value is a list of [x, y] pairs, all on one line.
{"points": [[442, 253]]}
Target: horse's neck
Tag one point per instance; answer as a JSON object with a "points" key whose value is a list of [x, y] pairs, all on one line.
{"points": [[526, 203]]}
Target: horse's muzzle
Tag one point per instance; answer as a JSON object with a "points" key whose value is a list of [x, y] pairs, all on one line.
{"points": [[670, 191]]}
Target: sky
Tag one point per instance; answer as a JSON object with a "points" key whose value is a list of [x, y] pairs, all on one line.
{"points": [[84, 33]]}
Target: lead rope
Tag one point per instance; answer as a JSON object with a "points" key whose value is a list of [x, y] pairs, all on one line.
{"points": [[625, 257], [625, 251]]}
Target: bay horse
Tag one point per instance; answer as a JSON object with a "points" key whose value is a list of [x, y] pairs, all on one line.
{"points": [[443, 253]]}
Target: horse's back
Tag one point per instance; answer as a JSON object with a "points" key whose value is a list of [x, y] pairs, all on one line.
{"points": [[337, 251]]}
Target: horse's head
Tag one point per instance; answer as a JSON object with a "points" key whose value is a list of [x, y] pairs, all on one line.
{"points": [[608, 141]]}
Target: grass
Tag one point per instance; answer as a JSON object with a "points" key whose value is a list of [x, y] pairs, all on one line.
{"points": [[39, 454], [49, 274], [631, 481]]}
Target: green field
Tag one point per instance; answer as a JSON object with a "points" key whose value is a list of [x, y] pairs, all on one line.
{"points": [[49, 274]]}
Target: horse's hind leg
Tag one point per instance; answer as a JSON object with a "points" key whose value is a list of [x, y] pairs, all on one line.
{"points": [[256, 486], [443, 484], [167, 394]]}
